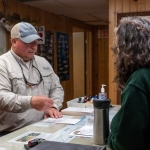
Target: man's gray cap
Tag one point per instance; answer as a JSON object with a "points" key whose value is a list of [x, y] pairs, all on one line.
{"points": [[25, 32]]}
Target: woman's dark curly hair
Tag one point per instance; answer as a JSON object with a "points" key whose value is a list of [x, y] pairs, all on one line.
{"points": [[131, 47]]}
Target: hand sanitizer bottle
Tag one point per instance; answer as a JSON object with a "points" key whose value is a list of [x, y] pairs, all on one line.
{"points": [[103, 94]]}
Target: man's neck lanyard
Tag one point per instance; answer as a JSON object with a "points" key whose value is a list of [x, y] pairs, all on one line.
{"points": [[28, 83]]}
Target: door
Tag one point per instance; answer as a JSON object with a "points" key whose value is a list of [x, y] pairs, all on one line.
{"points": [[78, 64]]}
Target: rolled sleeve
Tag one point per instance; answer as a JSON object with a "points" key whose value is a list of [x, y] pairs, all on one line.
{"points": [[10, 101]]}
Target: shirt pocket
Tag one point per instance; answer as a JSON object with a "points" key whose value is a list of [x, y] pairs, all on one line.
{"points": [[47, 82], [17, 83]]}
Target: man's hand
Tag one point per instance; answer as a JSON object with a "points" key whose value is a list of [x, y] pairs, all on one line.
{"points": [[41, 103], [53, 113]]}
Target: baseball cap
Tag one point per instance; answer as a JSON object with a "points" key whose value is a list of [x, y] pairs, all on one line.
{"points": [[25, 32]]}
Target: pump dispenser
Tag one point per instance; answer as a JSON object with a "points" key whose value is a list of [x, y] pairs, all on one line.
{"points": [[103, 94]]}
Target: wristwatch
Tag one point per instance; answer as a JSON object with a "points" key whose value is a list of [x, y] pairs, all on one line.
{"points": [[53, 107]]}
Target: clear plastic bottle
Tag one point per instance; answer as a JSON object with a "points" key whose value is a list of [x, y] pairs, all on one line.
{"points": [[102, 95]]}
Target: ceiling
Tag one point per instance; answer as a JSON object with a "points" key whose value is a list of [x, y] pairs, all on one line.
{"points": [[93, 12]]}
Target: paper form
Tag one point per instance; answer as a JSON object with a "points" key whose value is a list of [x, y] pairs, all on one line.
{"points": [[24, 138], [62, 120], [43, 123], [87, 130]]}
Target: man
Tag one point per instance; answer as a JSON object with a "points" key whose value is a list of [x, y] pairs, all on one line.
{"points": [[29, 88]]}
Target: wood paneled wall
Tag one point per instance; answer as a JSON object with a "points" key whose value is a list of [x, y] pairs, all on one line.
{"points": [[95, 61], [120, 6], [100, 61], [53, 23], [103, 64]]}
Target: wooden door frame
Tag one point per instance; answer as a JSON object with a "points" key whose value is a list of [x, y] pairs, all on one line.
{"points": [[88, 63], [88, 60]]}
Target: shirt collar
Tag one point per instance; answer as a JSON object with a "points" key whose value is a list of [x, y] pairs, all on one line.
{"points": [[19, 58]]}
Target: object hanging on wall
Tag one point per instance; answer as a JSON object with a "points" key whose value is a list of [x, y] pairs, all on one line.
{"points": [[41, 32], [63, 56], [8, 21], [5, 24], [47, 50], [103, 33]]}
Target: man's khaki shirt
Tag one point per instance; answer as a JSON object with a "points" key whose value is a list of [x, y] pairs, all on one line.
{"points": [[15, 95]]}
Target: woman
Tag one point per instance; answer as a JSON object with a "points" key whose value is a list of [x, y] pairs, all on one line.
{"points": [[130, 128]]}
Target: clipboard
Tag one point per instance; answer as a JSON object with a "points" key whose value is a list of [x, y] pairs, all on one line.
{"points": [[52, 145]]}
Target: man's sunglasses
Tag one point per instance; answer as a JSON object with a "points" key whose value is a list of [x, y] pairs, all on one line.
{"points": [[28, 83]]}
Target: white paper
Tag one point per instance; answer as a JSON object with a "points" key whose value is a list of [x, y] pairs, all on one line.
{"points": [[89, 121], [63, 135], [76, 109], [24, 138], [62, 120], [87, 130], [43, 124], [48, 124], [2, 148]]}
